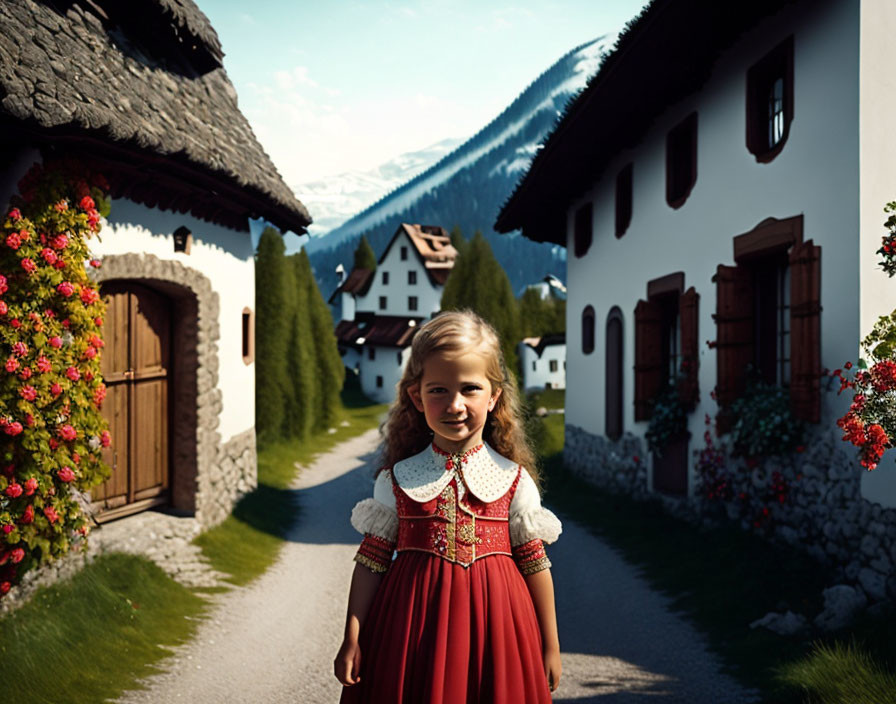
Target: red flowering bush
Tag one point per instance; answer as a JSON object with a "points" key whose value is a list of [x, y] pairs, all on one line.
{"points": [[51, 390]]}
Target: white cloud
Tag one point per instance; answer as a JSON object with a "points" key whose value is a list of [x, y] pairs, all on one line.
{"points": [[310, 134]]}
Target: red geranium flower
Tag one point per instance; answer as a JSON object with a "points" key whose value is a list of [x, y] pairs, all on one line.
{"points": [[56, 389], [44, 365], [12, 364], [48, 255], [25, 374], [66, 288], [15, 323], [28, 516], [15, 215], [87, 203], [66, 474], [20, 349], [67, 432], [105, 438], [56, 341], [28, 265], [17, 555], [73, 373], [14, 491], [14, 428], [51, 514], [28, 392], [13, 241]]}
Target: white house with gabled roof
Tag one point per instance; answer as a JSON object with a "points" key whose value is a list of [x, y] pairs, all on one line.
{"points": [[382, 308]]}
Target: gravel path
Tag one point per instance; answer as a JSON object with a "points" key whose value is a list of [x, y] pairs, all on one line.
{"points": [[274, 640]]}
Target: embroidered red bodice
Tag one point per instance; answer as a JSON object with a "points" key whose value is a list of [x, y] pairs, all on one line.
{"points": [[461, 529]]}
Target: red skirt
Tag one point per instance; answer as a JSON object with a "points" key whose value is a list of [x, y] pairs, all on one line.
{"points": [[441, 633]]}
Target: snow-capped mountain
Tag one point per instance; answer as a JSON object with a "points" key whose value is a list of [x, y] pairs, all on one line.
{"points": [[467, 187], [335, 199]]}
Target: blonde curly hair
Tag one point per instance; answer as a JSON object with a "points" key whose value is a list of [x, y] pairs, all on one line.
{"points": [[405, 430]]}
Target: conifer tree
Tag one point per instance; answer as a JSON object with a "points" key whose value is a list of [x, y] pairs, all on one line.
{"points": [[271, 336], [329, 372], [364, 256], [457, 239], [302, 405], [479, 283]]}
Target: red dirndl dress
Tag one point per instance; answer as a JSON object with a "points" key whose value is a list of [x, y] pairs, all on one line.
{"points": [[452, 621]]}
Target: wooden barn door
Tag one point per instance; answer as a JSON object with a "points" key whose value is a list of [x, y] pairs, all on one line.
{"points": [[136, 363]]}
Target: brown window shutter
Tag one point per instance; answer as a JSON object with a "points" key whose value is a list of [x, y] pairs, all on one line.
{"points": [[688, 312], [734, 333], [648, 356], [805, 331]]}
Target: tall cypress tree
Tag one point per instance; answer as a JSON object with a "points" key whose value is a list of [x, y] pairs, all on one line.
{"points": [[364, 256], [300, 355], [271, 336], [458, 239], [329, 371]]}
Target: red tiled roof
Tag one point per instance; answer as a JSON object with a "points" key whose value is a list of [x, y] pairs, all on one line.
{"points": [[358, 282], [381, 331]]}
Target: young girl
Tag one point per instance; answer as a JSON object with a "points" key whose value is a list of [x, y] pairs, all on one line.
{"points": [[465, 612]]}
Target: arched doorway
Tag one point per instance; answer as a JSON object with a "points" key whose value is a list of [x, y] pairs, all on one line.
{"points": [[137, 369]]}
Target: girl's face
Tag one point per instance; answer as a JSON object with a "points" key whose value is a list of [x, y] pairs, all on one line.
{"points": [[455, 396]]}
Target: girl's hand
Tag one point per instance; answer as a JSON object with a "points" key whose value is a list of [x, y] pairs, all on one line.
{"points": [[552, 668], [347, 664]]}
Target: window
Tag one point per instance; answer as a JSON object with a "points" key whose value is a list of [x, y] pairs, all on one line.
{"points": [[412, 303], [681, 161], [371, 353], [404, 253], [183, 240], [399, 358], [613, 376], [583, 230], [412, 278], [768, 316], [666, 342], [771, 318], [382, 303], [623, 199], [385, 278], [553, 365], [379, 382], [248, 329], [770, 102], [588, 330], [533, 365]]}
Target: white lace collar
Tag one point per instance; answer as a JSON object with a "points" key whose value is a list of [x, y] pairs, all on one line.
{"points": [[486, 474]]}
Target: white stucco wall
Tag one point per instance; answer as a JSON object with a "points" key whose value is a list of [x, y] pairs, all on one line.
{"points": [[537, 372], [877, 180], [815, 175], [388, 363], [397, 291], [222, 255]]}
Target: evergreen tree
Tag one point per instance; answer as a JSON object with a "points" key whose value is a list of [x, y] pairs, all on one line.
{"points": [[329, 372], [457, 239], [302, 405], [364, 256], [271, 336], [478, 282], [541, 316]]}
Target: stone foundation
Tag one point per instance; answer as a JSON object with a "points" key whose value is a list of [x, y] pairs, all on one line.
{"points": [[233, 475], [824, 514]]}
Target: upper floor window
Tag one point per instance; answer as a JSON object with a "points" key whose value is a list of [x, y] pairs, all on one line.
{"points": [[412, 303], [248, 336], [379, 382], [385, 278], [770, 102], [583, 230], [588, 330], [382, 303], [399, 358], [412, 277], [623, 199], [553, 365], [681, 161], [371, 353], [404, 253]]}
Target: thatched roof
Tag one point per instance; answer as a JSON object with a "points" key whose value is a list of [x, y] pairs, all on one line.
{"points": [[138, 87], [664, 55]]}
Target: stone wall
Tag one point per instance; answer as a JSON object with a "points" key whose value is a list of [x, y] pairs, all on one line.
{"points": [[233, 475], [823, 515]]}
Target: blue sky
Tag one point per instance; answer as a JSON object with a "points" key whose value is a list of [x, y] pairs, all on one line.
{"points": [[332, 86]]}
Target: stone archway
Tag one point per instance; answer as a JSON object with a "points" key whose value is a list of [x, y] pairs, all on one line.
{"points": [[208, 477]]}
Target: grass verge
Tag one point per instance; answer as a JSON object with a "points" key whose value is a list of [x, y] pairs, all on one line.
{"points": [[724, 579], [90, 638], [249, 540]]}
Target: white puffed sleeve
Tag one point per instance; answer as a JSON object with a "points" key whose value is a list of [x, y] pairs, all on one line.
{"points": [[528, 518], [378, 516]]}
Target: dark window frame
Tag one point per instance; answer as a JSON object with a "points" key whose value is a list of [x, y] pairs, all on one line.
{"points": [[614, 386], [681, 161], [624, 186], [588, 330], [403, 253], [383, 303], [385, 278], [583, 229], [412, 278], [412, 302], [761, 77]]}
